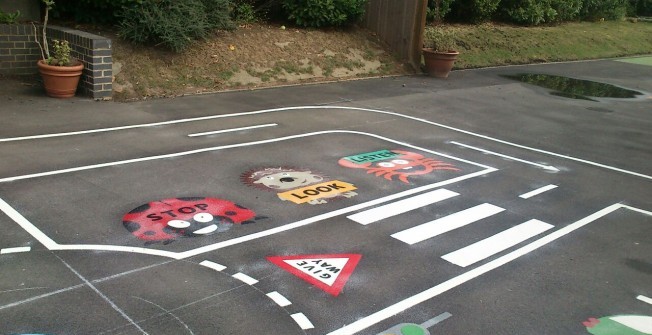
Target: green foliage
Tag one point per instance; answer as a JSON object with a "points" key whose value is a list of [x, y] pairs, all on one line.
{"points": [[172, 23], [244, 12], [474, 11], [433, 14], [60, 53], [9, 18], [218, 14], [639, 8], [93, 11], [595, 10], [528, 12], [439, 38], [567, 10], [324, 13]]}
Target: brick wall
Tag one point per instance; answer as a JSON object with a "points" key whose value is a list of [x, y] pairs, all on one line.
{"points": [[19, 54]]}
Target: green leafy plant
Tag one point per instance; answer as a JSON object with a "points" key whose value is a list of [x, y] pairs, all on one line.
{"points": [[61, 55], [437, 10], [474, 11], [440, 39], [9, 18], [324, 13]]}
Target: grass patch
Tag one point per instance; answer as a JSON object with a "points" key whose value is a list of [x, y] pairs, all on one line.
{"points": [[493, 45]]}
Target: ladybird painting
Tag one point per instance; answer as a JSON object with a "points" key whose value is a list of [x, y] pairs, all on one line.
{"points": [[168, 219]]}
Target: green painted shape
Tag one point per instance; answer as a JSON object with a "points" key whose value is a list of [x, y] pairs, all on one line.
{"points": [[611, 327], [412, 330], [369, 157], [637, 60]]}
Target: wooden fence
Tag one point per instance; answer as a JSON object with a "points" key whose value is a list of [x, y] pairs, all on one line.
{"points": [[399, 24]]}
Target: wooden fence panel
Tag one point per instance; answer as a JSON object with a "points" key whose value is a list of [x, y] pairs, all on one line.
{"points": [[399, 24]]}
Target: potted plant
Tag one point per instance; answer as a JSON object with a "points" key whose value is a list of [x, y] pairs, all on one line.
{"points": [[439, 52], [60, 72]]}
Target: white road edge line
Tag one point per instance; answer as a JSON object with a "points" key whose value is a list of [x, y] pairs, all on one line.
{"points": [[14, 250], [279, 299], [537, 191], [644, 299], [296, 108], [543, 166], [232, 130], [213, 265], [244, 278], [302, 321], [436, 290], [230, 146]]}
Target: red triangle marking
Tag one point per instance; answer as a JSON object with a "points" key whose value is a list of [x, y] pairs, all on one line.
{"points": [[342, 276]]}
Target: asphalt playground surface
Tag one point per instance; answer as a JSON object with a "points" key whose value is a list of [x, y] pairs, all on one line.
{"points": [[405, 205]]}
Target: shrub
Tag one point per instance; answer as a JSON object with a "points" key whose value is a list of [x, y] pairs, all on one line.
{"points": [[567, 10], [639, 8], [528, 12], [218, 14], [9, 18], [92, 11], [444, 8], [603, 9], [474, 11], [323, 13], [173, 23]]}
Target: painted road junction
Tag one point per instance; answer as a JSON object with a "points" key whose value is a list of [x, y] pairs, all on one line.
{"points": [[416, 184]]}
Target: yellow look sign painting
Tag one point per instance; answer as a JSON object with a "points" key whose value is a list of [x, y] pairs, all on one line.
{"points": [[317, 191]]}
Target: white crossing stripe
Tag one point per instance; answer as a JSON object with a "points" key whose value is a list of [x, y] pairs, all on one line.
{"points": [[302, 321], [401, 206], [537, 191], [213, 265], [244, 278], [279, 299], [644, 299], [442, 225], [14, 250], [496, 243]]}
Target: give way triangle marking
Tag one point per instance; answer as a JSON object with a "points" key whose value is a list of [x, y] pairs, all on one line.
{"points": [[328, 272]]}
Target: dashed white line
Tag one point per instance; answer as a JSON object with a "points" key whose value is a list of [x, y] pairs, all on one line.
{"points": [[644, 299], [244, 278], [279, 299], [213, 265], [14, 250], [443, 225], [401, 206], [302, 321], [537, 191], [496, 243], [232, 130]]}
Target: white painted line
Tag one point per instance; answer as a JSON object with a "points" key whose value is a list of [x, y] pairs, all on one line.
{"points": [[230, 146], [401, 206], [538, 191], [212, 265], [100, 247], [299, 108], [454, 282], [25, 224], [443, 225], [545, 167], [14, 250], [496, 243], [302, 321], [437, 319], [232, 130], [644, 299], [279, 299], [244, 278]]}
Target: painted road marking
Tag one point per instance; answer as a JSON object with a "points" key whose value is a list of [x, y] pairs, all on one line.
{"points": [[644, 299], [232, 130], [328, 272], [279, 299], [316, 191], [454, 282], [244, 278], [443, 225], [302, 321], [299, 108], [545, 167], [212, 265], [437, 319], [537, 191], [401, 206], [496, 243], [14, 250]]}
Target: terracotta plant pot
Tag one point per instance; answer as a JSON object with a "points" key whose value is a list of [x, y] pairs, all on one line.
{"points": [[439, 64], [60, 81]]}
